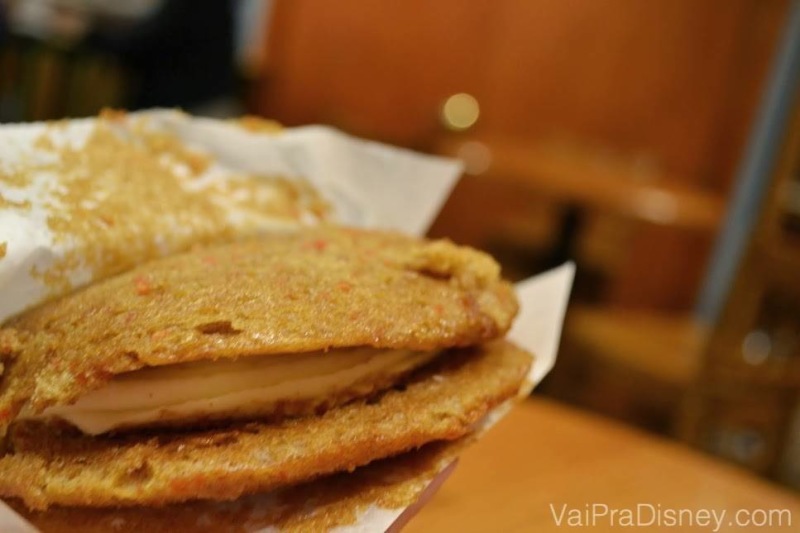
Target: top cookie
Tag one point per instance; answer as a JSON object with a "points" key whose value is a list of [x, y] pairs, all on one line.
{"points": [[310, 290]]}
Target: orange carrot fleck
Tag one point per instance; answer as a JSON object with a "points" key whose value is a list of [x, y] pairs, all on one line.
{"points": [[344, 286], [319, 245], [143, 286]]}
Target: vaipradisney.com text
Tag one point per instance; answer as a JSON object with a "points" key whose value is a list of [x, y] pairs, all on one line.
{"points": [[657, 515]]}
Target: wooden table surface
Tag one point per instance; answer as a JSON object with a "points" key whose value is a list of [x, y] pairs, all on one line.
{"points": [[543, 453]]}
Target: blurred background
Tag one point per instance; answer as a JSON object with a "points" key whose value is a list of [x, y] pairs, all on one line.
{"points": [[656, 144]]}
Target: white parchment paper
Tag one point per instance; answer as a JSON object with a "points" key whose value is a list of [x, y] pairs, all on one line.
{"points": [[367, 184]]}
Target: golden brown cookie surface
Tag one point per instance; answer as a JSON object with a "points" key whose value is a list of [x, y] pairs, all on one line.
{"points": [[305, 291], [336, 500], [442, 402]]}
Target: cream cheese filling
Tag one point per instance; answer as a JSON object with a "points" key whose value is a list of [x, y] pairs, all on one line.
{"points": [[240, 387]]}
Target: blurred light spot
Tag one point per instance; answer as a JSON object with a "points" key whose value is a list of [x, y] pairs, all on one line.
{"points": [[476, 156], [656, 206], [460, 111], [756, 347]]}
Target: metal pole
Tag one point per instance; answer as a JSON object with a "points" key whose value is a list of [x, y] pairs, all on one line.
{"points": [[756, 169]]}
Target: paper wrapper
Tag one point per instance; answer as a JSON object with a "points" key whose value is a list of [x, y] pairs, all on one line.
{"points": [[85, 199], [365, 184]]}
